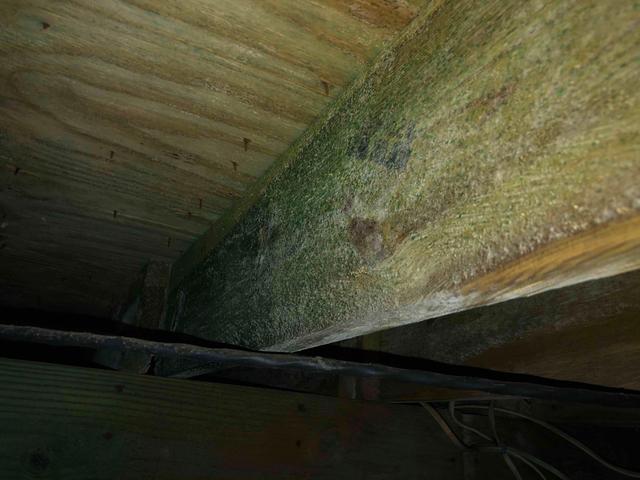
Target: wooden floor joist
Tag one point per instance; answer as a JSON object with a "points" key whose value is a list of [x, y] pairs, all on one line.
{"points": [[582, 333], [492, 152], [61, 422], [128, 127]]}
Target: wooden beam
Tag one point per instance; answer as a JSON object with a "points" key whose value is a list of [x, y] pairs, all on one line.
{"points": [[582, 333], [73, 423], [446, 179], [128, 128], [144, 308], [604, 353], [490, 153]]}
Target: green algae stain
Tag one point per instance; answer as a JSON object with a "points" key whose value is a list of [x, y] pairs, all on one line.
{"points": [[486, 130]]}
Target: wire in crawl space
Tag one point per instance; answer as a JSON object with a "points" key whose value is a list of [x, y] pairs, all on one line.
{"points": [[495, 445]]}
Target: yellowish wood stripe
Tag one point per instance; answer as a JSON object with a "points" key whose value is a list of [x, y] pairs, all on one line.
{"points": [[608, 250]]}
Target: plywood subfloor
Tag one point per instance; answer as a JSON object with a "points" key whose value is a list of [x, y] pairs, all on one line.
{"points": [[127, 128]]}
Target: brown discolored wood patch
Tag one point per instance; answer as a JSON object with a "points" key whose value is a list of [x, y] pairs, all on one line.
{"points": [[492, 101], [366, 236]]}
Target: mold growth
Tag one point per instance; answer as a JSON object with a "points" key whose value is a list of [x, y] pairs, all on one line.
{"points": [[389, 150], [479, 135]]}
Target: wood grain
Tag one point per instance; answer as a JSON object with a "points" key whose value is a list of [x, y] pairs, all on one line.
{"points": [[603, 353], [582, 333], [69, 423], [490, 153], [128, 127]]}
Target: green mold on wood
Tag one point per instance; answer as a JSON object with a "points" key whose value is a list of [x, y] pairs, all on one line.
{"points": [[485, 133]]}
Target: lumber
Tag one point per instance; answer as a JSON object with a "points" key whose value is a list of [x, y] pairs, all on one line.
{"points": [[399, 370], [583, 333], [490, 153], [62, 422], [128, 127]]}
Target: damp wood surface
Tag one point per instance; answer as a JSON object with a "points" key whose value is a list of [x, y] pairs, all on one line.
{"points": [[127, 128], [61, 422], [491, 152]]}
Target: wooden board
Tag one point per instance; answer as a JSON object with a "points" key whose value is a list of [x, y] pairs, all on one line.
{"points": [[492, 152], [128, 127], [583, 333], [70, 423], [604, 353]]}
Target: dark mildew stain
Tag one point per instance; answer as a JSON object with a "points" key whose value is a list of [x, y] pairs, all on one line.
{"points": [[267, 233], [378, 152], [363, 146], [39, 460], [401, 151], [348, 205], [392, 154]]}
